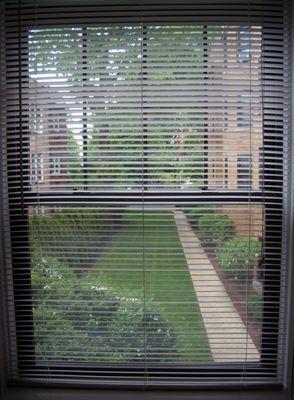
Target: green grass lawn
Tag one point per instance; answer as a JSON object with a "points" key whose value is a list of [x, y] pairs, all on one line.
{"points": [[152, 257]]}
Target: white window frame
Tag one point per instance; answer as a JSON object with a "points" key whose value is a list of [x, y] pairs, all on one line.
{"points": [[39, 210], [54, 122], [244, 179], [243, 113], [56, 165], [244, 53], [37, 175], [37, 123]]}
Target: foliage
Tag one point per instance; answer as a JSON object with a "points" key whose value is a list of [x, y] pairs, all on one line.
{"points": [[197, 212], [71, 235], [49, 273], [107, 289], [53, 334], [167, 279], [255, 306], [115, 60], [215, 228], [237, 256], [84, 320]]}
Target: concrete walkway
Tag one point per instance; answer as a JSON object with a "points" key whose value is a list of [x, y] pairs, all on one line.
{"points": [[226, 332]]}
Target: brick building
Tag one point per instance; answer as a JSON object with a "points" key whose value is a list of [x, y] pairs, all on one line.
{"points": [[234, 135], [48, 138]]}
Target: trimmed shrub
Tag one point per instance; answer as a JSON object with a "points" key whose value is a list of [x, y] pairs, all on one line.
{"points": [[216, 228], [197, 212], [237, 256]]}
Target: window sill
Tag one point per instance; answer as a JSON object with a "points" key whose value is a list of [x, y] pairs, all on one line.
{"points": [[89, 394]]}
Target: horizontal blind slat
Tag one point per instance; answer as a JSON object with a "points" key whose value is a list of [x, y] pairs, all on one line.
{"points": [[145, 143]]}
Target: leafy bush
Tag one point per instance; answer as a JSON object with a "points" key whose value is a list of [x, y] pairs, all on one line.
{"points": [[48, 275], [84, 320], [197, 212], [216, 228], [237, 256], [255, 306], [53, 334], [136, 328], [47, 269]]}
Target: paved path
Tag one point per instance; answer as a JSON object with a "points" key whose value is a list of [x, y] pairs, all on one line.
{"points": [[226, 332]]}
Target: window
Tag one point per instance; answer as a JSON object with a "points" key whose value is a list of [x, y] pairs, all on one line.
{"points": [[261, 159], [54, 122], [244, 113], [141, 268], [244, 172], [39, 210], [37, 168], [36, 119], [244, 44], [56, 165], [226, 172]]}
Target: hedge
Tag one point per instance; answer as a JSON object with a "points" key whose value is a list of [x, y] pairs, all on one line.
{"points": [[197, 212]]}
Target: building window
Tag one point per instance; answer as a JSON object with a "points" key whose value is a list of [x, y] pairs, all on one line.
{"points": [[244, 44], [54, 122], [244, 111], [261, 174], [39, 210], [56, 165], [36, 118], [37, 168], [244, 172], [226, 172]]}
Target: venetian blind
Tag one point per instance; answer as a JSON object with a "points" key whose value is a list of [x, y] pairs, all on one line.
{"points": [[146, 166]]}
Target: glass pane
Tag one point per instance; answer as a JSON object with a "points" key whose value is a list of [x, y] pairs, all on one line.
{"points": [[156, 284], [164, 107]]}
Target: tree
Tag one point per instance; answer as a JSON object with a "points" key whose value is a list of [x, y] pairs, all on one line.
{"points": [[122, 64]]}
